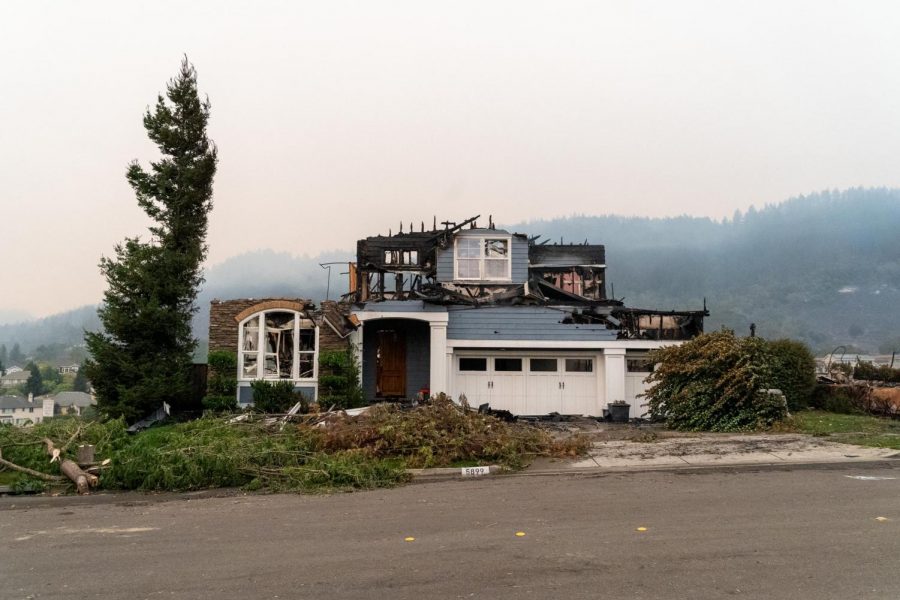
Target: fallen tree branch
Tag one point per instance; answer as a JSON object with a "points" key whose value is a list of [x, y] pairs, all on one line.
{"points": [[71, 439], [27, 471], [83, 481]]}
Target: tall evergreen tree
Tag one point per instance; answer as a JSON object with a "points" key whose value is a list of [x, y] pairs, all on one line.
{"points": [[15, 356], [4, 355], [81, 382], [35, 383], [143, 355]]}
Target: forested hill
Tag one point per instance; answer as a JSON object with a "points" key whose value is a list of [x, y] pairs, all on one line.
{"points": [[823, 268]]}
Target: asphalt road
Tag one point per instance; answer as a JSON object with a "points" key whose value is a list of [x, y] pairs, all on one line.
{"points": [[810, 533]]}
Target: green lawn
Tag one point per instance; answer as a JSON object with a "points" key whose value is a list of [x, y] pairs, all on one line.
{"points": [[861, 430], [8, 477]]}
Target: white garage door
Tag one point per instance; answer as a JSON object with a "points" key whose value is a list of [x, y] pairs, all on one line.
{"points": [[530, 384], [637, 371]]}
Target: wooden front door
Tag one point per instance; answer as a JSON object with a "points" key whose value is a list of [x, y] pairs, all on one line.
{"points": [[390, 380]]}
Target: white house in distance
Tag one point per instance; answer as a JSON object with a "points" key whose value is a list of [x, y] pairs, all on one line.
{"points": [[14, 378], [18, 410]]}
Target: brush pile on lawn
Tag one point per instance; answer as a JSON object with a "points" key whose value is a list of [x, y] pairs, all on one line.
{"points": [[309, 453]]}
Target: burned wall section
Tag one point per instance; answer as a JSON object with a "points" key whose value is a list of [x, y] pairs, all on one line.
{"points": [[225, 317]]}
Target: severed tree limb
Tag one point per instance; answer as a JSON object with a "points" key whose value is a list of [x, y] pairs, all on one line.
{"points": [[71, 439], [27, 471], [83, 481]]}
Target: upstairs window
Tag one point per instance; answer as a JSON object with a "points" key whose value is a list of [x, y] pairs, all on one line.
{"points": [[277, 344], [479, 258], [408, 258]]}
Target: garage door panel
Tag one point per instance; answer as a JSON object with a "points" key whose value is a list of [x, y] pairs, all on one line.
{"points": [[531, 385]]}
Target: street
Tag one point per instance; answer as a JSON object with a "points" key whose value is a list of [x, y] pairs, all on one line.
{"points": [[825, 532]]}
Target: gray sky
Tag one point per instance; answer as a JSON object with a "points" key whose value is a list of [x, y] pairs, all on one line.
{"points": [[337, 120]]}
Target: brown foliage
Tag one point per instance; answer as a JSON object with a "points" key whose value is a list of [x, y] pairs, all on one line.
{"points": [[441, 433]]}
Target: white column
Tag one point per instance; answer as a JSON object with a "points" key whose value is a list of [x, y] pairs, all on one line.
{"points": [[356, 347], [614, 365], [438, 377]]}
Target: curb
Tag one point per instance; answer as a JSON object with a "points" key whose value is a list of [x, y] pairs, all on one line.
{"points": [[450, 473], [875, 463]]}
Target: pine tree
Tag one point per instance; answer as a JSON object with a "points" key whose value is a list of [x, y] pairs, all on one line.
{"points": [[143, 355], [15, 356], [35, 383], [81, 383]]}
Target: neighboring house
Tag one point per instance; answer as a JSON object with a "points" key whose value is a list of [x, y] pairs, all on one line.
{"points": [[67, 403], [18, 410], [14, 378], [493, 316], [14, 369], [65, 369]]}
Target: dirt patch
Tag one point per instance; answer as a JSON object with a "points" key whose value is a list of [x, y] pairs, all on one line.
{"points": [[601, 431], [637, 444]]}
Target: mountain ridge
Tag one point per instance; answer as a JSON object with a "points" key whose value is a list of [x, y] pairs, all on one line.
{"points": [[823, 268]]}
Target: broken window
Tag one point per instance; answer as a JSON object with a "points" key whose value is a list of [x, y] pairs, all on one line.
{"points": [[482, 258], [277, 345], [401, 257], [250, 348], [279, 340]]}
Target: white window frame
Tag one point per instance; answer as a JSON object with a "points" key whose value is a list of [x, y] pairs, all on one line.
{"points": [[483, 239], [261, 349]]}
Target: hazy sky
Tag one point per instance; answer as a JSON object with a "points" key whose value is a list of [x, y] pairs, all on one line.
{"points": [[337, 120]]}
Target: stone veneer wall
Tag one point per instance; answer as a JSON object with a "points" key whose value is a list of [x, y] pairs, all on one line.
{"points": [[223, 321]]}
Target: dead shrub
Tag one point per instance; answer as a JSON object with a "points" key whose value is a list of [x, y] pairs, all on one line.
{"points": [[440, 433]]}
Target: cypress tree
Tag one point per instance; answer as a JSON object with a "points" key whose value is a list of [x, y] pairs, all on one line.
{"points": [[142, 357]]}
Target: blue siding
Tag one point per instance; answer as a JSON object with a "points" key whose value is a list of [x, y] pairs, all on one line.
{"points": [[518, 254], [245, 393], [445, 264], [413, 306], [520, 323], [418, 353]]}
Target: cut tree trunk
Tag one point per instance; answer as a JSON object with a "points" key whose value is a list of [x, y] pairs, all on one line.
{"points": [[83, 481]]}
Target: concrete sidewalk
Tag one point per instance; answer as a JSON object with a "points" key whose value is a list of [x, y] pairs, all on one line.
{"points": [[715, 450]]}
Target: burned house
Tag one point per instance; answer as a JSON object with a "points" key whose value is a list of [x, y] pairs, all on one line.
{"points": [[499, 318]]}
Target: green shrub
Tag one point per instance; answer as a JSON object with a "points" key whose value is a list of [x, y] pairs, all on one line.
{"points": [[339, 380], [274, 396], [870, 372], [714, 383], [221, 383], [222, 380], [843, 399], [220, 404], [793, 371]]}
